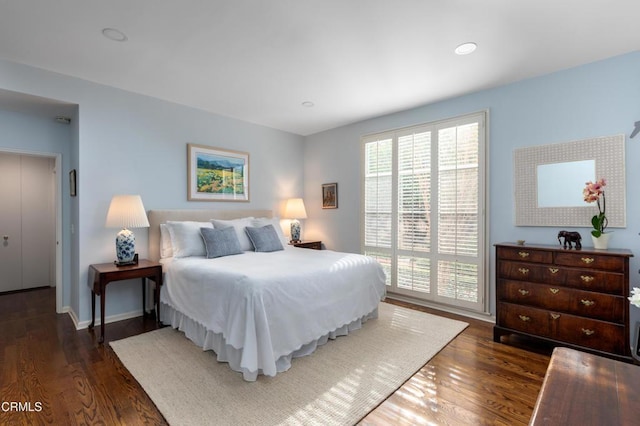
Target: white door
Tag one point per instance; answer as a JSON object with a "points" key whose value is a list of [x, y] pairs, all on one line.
{"points": [[38, 222], [27, 222], [10, 223]]}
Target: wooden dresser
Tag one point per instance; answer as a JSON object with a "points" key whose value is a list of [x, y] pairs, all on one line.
{"points": [[575, 298]]}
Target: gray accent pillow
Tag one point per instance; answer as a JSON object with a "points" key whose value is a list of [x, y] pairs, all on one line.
{"points": [[220, 242], [264, 239], [275, 221]]}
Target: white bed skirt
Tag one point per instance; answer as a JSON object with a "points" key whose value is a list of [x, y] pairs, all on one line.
{"points": [[209, 340]]}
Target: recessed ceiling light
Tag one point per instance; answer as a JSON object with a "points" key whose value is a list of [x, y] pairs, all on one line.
{"points": [[466, 48], [114, 34], [307, 104]]}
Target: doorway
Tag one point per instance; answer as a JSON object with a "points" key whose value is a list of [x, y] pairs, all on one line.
{"points": [[30, 254]]}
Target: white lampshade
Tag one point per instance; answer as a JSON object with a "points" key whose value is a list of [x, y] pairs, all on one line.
{"points": [[126, 211], [295, 209]]}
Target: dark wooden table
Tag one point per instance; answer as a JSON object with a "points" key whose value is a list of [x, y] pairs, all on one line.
{"points": [[314, 245], [584, 389], [104, 273]]}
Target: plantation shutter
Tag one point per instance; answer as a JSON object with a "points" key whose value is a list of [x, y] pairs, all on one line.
{"points": [[458, 213], [377, 202], [414, 209], [423, 204]]}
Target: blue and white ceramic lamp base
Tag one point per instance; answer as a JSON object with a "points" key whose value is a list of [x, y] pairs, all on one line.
{"points": [[125, 246], [295, 231]]}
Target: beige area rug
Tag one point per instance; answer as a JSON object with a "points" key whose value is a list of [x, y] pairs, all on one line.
{"points": [[338, 384]]}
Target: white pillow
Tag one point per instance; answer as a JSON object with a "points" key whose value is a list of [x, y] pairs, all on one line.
{"points": [[238, 225], [275, 221], [186, 239], [166, 249]]}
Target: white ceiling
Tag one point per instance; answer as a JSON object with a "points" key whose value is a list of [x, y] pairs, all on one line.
{"points": [[259, 60]]}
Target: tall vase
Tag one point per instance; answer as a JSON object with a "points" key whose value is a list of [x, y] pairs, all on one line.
{"points": [[601, 242]]}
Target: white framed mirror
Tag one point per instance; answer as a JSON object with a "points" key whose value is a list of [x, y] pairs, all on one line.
{"points": [[549, 180]]}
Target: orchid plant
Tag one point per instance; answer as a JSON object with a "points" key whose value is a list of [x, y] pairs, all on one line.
{"points": [[635, 297], [594, 192]]}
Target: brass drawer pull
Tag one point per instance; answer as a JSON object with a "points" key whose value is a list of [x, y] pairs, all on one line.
{"points": [[555, 316], [524, 318], [587, 302], [523, 292], [554, 270], [523, 271], [587, 332], [588, 260], [554, 290], [523, 254], [587, 278]]}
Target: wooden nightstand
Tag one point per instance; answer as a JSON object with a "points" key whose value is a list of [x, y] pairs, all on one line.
{"points": [[103, 273], [315, 245]]}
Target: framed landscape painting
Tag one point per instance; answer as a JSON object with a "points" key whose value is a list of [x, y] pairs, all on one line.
{"points": [[216, 174]]}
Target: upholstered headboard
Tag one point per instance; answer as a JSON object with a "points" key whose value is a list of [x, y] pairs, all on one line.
{"points": [[156, 217]]}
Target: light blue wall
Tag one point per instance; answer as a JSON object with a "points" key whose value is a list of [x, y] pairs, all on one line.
{"points": [[126, 143], [597, 99]]}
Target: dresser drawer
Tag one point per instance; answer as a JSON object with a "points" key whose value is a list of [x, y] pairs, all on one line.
{"points": [[524, 318], [606, 282], [563, 299], [588, 260], [599, 335], [583, 279], [525, 254], [531, 272]]}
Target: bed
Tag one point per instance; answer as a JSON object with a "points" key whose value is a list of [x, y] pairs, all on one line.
{"points": [[258, 310]]}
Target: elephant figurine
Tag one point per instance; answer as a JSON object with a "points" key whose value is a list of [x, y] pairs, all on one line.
{"points": [[570, 237]]}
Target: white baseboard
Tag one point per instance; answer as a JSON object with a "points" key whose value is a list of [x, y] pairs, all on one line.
{"points": [[108, 319], [475, 315], [72, 314]]}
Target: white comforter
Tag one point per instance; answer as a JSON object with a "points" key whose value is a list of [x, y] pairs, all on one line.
{"points": [[268, 305]]}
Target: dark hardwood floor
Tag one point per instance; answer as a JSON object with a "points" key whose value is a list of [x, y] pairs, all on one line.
{"points": [[48, 364]]}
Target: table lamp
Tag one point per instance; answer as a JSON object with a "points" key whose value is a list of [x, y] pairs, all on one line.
{"points": [[295, 210], [126, 211]]}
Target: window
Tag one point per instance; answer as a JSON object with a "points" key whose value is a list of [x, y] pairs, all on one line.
{"points": [[423, 209]]}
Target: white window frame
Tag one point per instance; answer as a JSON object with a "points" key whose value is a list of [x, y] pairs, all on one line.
{"points": [[482, 304]]}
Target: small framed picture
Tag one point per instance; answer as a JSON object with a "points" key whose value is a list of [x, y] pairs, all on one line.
{"points": [[329, 195], [72, 183], [216, 174]]}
